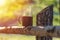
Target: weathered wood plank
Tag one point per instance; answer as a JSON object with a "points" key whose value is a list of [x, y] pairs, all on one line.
{"points": [[44, 18], [34, 31]]}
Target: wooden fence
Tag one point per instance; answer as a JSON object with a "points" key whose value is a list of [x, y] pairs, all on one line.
{"points": [[53, 31], [44, 29], [45, 18]]}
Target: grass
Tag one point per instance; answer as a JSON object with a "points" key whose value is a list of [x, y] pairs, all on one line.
{"points": [[18, 37]]}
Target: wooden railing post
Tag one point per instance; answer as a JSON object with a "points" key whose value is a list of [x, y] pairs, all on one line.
{"points": [[45, 18]]}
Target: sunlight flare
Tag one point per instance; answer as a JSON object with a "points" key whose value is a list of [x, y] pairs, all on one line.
{"points": [[2, 2]]}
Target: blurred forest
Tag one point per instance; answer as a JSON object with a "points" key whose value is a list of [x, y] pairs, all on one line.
{"points": [[14, 7], [41, 4], [36, 7]]}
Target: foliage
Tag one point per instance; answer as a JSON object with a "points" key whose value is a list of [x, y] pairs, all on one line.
{"points": [[41, 4]]}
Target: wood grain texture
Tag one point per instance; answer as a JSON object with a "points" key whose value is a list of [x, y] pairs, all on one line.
{"points": [[45, 18], [33, 31]]}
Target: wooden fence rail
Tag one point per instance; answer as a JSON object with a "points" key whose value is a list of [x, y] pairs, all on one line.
{"points": [[53, 31]]}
